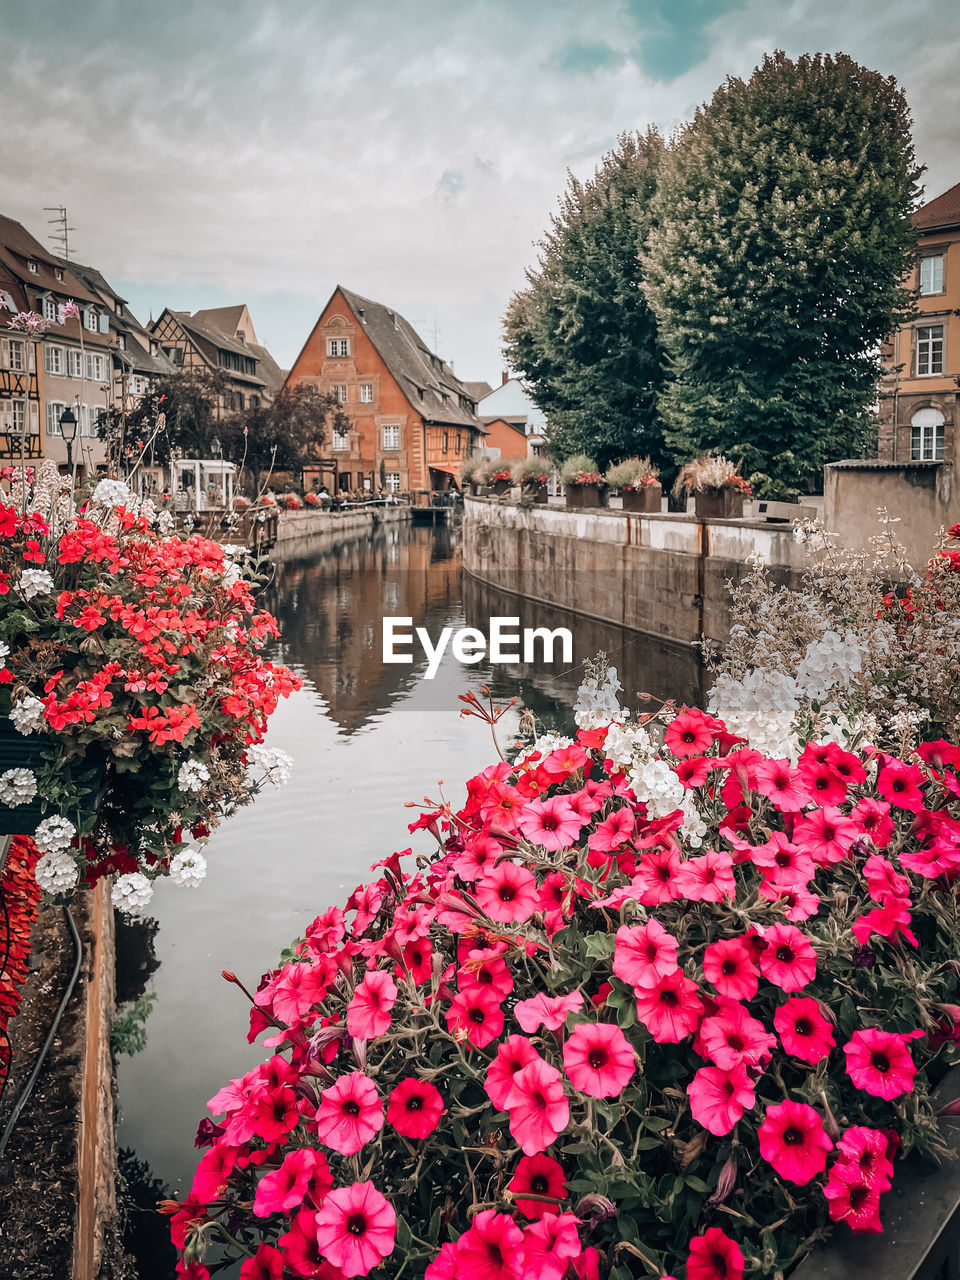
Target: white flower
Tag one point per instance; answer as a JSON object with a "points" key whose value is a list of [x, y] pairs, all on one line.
{"points": [[53, 835], [188, 867], [693, 828], [27, 715], [166, 523], [131, 893], [113, 493], [658, 787], [597, 704], [193, 774], [276, 765], [17, 786], [546, 743], [762, 707], [57, 872], [34, 582], [4, 651], [829, 661]]}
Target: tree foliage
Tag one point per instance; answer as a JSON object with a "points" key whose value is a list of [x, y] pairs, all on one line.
{"points": [[285, 435], [581, 333], [774, 267]]}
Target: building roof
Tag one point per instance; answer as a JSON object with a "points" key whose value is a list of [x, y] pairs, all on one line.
{"points": [[223, 319], [227, 320], [136, 354], [478, 390], [943, 211], [18, 247], [428, 382], [205, 337], [517, 423]]}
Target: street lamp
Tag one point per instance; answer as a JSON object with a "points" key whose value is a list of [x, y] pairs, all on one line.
{"points": [[68, 429]]}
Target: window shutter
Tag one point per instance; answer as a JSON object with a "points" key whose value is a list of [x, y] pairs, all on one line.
{"points": [[104, 323], [31, 358], [5, 352], [34, 418]]}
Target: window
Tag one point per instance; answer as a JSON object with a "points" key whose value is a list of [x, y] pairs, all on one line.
{"points": [[929, 349], [931, 273], [18, 413], [53, 361], [59, 274], [338, 347], [366, 393], [138, 384], [391, 437], [446, 442], [91, 320], [16, 355], [341, 440], [75, 364], [154, 347], [254, 402], [50, 309], [54, 409], [459, 442], [32, 267], [340, 391], [393, 481], [95, 368], [89, 417], [344, 480], [121, 342], [927, 431]]}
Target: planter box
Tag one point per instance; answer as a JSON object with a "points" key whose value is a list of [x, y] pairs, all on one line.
{"points": [[719, 504], [481, 490], [538, 492], [584, 496], [500, 487], [646, 499]]}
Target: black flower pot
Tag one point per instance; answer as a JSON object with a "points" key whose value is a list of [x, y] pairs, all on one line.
{"points": [[28, 751]]}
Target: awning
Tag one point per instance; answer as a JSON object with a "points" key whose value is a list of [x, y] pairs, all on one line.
{"points": [[448, 468]]}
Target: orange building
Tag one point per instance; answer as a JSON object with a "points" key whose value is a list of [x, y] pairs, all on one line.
{"points": [[412, 421], [920, 392], [509, 437]]}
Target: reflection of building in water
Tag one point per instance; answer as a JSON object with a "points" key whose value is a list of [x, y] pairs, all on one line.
{"points": [[331, 606]]}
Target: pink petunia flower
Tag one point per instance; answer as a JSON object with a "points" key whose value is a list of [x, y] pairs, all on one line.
{"points": [[869, 1150], [824, 785], [539, 1111], [670, 1010], [598, 1059], [718, 1098], [543, 1176], [475, 1014], [803, 1030], [356, 1228], [508, 893], [612, 831], [350, 1113], [782, 785], [793, 1140], [783, 863], [266, 1264], [513, 1055], [691, 732], [825, 834], [550, 1244], [368, 1013], [880, 1063], [730, 1036], [872, 818], [656, 876], [852, 1199], [900, 784], [706, 878], [714, 1256], [286, 1188], [788, 960], [553, 824], [546, 1011], [491, 1249], [414, 1107], [728, 965], [644, 953]]}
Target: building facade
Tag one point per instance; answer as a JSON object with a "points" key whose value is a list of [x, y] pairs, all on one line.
{"points": [[220, 341], [507, 407], [920, 391], [412, 421]]}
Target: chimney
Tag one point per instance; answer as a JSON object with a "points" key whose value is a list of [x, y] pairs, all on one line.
{"points": [[504, 378]]}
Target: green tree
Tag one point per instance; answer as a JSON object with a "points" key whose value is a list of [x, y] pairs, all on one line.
{"points": [[581, 333], [781, 236], [178, 416], [285, 435]]}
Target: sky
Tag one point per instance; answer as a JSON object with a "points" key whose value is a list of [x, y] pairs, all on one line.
{"points": [[216, 151]]}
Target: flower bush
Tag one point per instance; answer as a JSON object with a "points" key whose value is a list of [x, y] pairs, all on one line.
{"points": [[530, 471], [634, 473], [657, 1000], [21, 896], [290, 502], [312, 499], [134, 655], [710, 473], [580, 470]]}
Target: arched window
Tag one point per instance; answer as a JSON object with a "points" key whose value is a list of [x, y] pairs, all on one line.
{"points": [[927, 442]]}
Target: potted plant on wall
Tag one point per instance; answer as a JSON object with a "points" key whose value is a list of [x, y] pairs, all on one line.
{"points": [[133, 695], [468, 474], [718, 488], [501, 478], [531, 475], [638, 482], [583, 484]]}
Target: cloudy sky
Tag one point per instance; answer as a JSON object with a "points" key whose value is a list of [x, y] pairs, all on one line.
{"points": [[213, 151]]}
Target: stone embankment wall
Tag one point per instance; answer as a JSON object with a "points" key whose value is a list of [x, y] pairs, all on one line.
{"points": [[297, 526], [665, 575]]}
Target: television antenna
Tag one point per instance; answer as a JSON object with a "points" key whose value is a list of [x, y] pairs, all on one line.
{"points": [[60, 238]]}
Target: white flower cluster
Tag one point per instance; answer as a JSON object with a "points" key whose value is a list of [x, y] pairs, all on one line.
{"points": [[655, 783], [546, 743], [114, 493], [57, 872], [27, 715], [762, 707], [166, 524], [193, 774], [622, 744], [53, 835], [693, 829], [131, 893], [34, 582], [17, 786], [596, 703], [276, 765], [188, 867], [830, 661]]}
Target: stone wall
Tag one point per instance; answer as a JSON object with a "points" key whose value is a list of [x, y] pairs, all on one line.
{"points": [[922, 496], [664, 574], [294, 526]]}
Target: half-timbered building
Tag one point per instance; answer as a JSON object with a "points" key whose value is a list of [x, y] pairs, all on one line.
{"points": [[195, 344]]}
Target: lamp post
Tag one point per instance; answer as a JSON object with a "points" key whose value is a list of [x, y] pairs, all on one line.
{"points": [[68, 429]]}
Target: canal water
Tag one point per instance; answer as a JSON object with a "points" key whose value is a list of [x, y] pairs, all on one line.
{"points": [[365, 738]]}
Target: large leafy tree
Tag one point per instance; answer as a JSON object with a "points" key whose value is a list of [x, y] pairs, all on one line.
{"points": [[581, 333], [284, 435], [774, 266]]}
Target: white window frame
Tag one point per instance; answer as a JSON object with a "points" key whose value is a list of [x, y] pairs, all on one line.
{"points": [[50, 309], [930, 351], [366, 393], [32, 267], [54, 361], [74, 363], [341, 441], [18, 356], [341, 391], [91, 320], [926, 438], [54, 409], [18, 413], [934, 276], [391, 437], [393, 481], [338, 348], [95, 367]]}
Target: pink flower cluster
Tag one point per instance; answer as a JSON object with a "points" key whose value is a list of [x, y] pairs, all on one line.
{"points": [[568, 1021]]}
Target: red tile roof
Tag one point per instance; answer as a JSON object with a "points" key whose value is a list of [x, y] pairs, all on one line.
{"points": [[944, 211]]}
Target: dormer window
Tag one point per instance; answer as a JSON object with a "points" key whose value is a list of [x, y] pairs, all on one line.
{"points": [[241, 336], [59, 274], [91, 320], [33, 267], [121, 342], [154, 347], [50, 309]]}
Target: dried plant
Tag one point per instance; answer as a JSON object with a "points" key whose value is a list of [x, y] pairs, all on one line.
{"points": [[706, 472], [632, 473]]}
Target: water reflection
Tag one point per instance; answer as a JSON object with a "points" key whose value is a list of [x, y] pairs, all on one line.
{"points": [[365, 739]]}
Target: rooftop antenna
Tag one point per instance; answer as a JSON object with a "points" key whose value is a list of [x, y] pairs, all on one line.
{"points": [[60, 238]]}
